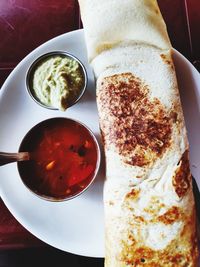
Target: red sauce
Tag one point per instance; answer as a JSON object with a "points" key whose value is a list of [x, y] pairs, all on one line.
{"points": [[64, 158]]}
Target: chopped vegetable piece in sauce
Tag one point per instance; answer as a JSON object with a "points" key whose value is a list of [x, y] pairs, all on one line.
{"points": [[50, 165]]}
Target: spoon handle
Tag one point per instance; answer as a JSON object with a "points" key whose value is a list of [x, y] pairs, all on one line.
{"points": [[6, 158]]}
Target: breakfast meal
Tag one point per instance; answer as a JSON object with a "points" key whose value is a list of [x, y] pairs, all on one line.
{"points": [[64, 158], [150, 217], [57, 81]]}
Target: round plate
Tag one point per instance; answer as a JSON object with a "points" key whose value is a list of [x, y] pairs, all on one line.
{"points": [[76, 226]]}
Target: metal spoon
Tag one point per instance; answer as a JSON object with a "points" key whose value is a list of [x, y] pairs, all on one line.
{"points": [[6, 158]]}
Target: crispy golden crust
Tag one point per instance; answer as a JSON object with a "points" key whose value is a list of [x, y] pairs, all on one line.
{"points": [[139, 128], [167, 61], [181, 252], [182, 177]]}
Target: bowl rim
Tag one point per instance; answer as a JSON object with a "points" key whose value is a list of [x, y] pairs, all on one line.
{"points": [[98, 162], [42, 57]]}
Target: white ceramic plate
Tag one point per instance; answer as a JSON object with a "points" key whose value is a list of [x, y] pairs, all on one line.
{"points": [[75, 226]]}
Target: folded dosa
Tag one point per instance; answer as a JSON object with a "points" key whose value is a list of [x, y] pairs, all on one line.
{"points": [[148, 198]]}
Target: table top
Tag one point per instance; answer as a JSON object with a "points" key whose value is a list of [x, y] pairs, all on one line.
{"points": [[183, 19]]}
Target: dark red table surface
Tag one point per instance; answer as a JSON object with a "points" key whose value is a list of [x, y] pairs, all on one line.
{"points": [[26, 24]]}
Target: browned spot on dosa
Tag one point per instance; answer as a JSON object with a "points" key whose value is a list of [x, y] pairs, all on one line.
{"points": [[172, 215], [172, 256], [144, 256], [133, 194], [166, 60], [154, 206], [182, 177], [139, 128]]}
